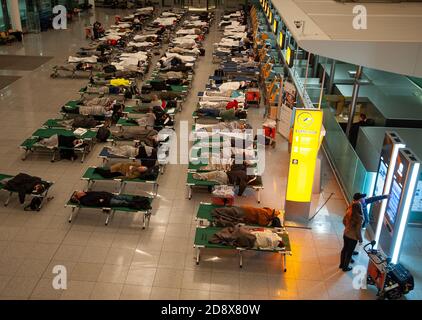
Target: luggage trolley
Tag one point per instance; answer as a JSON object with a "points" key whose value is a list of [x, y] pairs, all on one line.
{"points": [[392, 280]]}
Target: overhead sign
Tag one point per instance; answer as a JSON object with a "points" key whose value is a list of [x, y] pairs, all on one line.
{"points": [[305, 145], [281, 39], [290, 52]]}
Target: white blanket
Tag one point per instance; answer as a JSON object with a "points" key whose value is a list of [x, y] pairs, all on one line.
{"points": [[91, 59]]}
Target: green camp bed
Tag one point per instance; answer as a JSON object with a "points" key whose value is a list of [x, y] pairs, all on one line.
{"points": [[122, 122], [109, 211], [131, 112], [204, 234], [42, 196], [204, 213], [194, 183], [53, 123], [30, 144], [91, 177]]}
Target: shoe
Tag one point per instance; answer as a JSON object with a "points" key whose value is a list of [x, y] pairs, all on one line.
{"points": [[352, 261], [347, 269], [355, 253]]}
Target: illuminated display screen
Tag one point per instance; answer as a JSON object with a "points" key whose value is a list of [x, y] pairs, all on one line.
{"points": [[393, 203], [281, 40], [382, 174], [289, 56]]}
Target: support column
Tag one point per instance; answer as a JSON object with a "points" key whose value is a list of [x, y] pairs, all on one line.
{"points": [[332, 74], [355, 95], [15, 16]]}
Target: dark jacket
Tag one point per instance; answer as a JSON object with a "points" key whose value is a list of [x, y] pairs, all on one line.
{"points": [[22, 184], [96, 199], [352, 222]]}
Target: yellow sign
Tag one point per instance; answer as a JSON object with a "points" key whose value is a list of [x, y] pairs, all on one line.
{"points": [[305, 145], [281, 40], [288, 56], [275, 26], [271, 16]]}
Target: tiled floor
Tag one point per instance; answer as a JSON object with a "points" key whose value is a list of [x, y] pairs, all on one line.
{"points": [[122, 261]]}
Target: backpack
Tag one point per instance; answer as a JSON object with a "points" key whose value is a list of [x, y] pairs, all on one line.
{"points": [[34, 205], [102, 134]]}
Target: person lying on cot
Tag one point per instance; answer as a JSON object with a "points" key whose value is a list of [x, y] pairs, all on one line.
{"points": [[79, 122], [107, 199], [247, 237], [147, 154], [144, 135], [230, 216], [25, 184], [226, 126], [237, 175], [128, 170]]}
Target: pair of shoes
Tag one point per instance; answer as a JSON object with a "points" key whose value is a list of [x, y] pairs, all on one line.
{"points": [[347, 269], [352, 261], [355, 253]]}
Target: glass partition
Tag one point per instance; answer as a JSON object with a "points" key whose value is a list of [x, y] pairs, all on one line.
{"points": [[349, 168]]}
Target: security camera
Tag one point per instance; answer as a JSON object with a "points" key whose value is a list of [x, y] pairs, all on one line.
{"points": [[298, 23]]}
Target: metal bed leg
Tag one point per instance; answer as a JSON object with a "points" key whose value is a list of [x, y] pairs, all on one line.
{"points": [[284, 262], [189, 192], [240, 259], [259, 195], [122, 186], [155, 189], [83, 156], [198, 255], [8, 199], [53, 158], [110, 214], [25, 154], [72, 214]]}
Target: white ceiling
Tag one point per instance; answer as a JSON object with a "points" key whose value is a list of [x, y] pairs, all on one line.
{"points": [[392, 41]]}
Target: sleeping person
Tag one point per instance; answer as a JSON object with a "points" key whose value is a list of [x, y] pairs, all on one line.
{"points": [[237, 175], [230, 216], [147, 154], [128, 170], [247, 237], [107, 199]]}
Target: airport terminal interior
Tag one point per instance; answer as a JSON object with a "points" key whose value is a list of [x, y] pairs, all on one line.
{"points": [[109, 179]]}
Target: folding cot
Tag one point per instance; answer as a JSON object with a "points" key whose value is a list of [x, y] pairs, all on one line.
{"points": [[91, 177], [204, 234], [106, 156], [42, 196], [133, 112], [191, 183], [57, 124], [109, 211], [31, 144], [123, 122]]}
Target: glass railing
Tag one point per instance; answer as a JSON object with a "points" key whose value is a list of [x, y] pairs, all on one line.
{"points": [[349, 168]]}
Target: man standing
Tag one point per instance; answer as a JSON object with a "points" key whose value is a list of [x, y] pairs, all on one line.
{"points": [[361, 197], [352, 233]]}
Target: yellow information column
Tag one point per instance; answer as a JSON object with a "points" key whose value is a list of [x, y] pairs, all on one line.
{"points": [[305, 145]]}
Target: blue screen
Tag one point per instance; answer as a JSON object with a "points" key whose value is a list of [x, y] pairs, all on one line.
{"points": [[393, 202]]}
